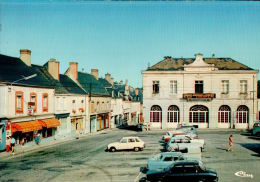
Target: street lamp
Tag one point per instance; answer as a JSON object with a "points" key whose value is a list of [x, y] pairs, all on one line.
{"points": [[24, 78]]}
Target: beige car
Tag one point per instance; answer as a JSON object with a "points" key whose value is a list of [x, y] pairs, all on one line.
{"points": [[127, 143]]}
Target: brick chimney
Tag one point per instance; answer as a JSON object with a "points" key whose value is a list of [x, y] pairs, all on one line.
{"points": [[53, 68], [94, 72], [109, 78], [25, 56], [72, 72]]}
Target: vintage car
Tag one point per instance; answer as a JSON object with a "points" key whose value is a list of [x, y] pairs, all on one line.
{"points": [[181, 142], [183, 130], [187, 170], [169, 135], [127, 143], [165, 159], [256, 129]]}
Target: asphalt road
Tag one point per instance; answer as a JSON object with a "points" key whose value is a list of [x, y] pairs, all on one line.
{"points": [[86, 160]]}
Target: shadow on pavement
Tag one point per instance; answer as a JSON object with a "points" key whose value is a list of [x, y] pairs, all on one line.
{"points": [[254, 137], [221, 148], [255, 147], [129, 127]]}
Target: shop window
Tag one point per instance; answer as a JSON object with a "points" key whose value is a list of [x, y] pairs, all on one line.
{"points": [[19, 102], [45, 102]]}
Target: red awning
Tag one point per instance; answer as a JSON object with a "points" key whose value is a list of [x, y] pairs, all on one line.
{"points": [[50, 123], [26, 126]]}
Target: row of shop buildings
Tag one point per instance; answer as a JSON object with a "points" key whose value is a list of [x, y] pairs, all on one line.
{"points": [[207, 92], [38, 99]]}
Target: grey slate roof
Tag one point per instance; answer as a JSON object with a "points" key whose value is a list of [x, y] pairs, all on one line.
{"points": [[64, 85], [92, 85], [12, 69], [174, 64]]}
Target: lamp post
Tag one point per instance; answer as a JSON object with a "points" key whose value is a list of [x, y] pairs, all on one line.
{"points": [[24, 78]]}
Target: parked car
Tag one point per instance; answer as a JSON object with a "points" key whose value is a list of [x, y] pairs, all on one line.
{"points": [[169, 135], [181, 142], [127, 143], [165, 159], [188, 170], [256, 128]]}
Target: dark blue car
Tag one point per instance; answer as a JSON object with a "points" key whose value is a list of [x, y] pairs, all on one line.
{"points": [[193, 171]]}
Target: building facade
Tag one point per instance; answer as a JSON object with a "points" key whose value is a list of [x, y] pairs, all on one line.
{"points": [[210, 93]]}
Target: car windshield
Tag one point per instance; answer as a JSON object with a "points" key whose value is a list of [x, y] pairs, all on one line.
{"points": [[202, 166]]}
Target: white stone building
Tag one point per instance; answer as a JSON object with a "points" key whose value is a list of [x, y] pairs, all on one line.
{"points": [[209, 92]]}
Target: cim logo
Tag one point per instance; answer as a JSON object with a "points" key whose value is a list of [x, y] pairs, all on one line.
{"points": [[243, 174]]}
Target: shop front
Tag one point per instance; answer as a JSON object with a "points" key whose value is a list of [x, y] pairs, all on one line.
{"points": [[3, 124], [102, 121], [77, 124], [63, 129], [49, 126], [24, 132]]}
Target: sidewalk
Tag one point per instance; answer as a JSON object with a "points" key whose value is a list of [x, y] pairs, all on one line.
{"points": [[45, 143]]}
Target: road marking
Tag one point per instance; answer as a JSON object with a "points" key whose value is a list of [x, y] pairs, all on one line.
{"points": [[243, 174], [137, 177]]}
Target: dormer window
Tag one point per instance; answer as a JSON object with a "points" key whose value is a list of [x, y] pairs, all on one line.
{"points": [[199, 87]]}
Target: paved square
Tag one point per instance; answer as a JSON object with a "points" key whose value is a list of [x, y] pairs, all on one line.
{"points": [[86, 160]]}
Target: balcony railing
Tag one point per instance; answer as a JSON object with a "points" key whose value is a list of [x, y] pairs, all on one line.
{"points": [[199, 96]]}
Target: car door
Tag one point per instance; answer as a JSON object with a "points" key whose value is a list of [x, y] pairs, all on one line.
{"points": [[131, 143], [123, 144], [175, 173], [190, 173]]}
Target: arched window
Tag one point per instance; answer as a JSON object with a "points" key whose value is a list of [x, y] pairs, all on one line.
{"points": [[173, 114], [156, 114], [242, 114], [199, 114], [224, 114]]}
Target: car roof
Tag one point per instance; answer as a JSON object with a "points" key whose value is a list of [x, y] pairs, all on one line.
{"points": [[171, 154], [131, 137]]}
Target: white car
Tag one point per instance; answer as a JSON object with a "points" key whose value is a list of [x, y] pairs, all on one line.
{"points": [[127, 143], [182, 142]]}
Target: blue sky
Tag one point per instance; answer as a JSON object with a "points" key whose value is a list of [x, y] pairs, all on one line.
{"points": [[122, 37]]}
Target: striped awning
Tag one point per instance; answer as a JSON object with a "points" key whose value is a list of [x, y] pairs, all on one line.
{"points": [[50, 123], [26, 126]]}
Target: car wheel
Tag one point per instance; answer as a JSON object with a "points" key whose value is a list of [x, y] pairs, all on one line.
{"points": [[136, 149], [141, 149], [257, 134], [113, 149]]}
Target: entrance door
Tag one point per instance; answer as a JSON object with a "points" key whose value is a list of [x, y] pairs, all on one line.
{"points": [[93, 124]]}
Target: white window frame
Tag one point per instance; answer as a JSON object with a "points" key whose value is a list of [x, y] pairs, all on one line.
{"points": [[243, 86], [225, 86]]}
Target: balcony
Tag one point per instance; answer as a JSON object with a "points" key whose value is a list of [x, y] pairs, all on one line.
{"points": [[199, 96]]}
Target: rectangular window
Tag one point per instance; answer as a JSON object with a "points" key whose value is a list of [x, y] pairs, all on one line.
{"points": [[173, 87], [19, 102], [225, 86], [92, 106], [156, 87], [199, 87], [243, 86], [33, 101], [45, 102]]}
